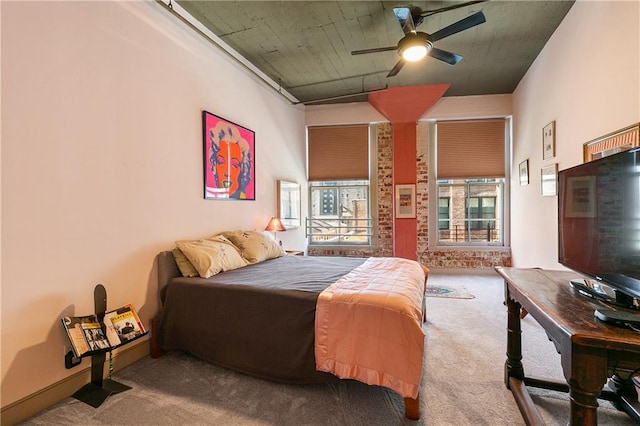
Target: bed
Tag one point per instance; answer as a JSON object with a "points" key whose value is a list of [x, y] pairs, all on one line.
{"points": [[261, 319]]}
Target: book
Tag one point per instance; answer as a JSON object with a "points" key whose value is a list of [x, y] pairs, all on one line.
{"points": [[88, 334]]}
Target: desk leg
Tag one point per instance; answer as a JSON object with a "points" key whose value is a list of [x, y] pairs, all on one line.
{"points": [[587, 369], [513, 366]]}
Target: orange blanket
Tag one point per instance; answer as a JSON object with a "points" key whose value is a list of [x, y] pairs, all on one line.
{"points": [[368, 325]]}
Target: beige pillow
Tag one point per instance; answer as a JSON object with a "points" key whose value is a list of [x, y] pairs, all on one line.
{"points": [[211, 255], [186, 268], [255, 246]]}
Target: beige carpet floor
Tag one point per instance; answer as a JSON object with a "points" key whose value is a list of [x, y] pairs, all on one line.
{"points": [[462, 381]]}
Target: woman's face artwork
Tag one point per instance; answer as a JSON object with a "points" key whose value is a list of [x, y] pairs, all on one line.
{"points": [[228, 165], [230, 160]]}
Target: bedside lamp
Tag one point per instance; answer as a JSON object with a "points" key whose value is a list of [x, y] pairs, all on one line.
{"points": [[275, 225]]}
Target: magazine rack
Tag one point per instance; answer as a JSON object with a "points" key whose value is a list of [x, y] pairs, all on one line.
{"points": [[96, 392]]}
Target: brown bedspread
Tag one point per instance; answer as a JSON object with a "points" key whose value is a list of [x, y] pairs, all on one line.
{"points": [[258, 319]]}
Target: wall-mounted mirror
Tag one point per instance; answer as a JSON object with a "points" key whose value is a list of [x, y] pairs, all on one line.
{"points": [[289, 204]]}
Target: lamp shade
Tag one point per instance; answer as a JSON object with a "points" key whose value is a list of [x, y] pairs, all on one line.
{"points": [[275, 225]]}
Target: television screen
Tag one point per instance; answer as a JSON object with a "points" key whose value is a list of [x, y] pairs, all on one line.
{"points": [[599, 220]]}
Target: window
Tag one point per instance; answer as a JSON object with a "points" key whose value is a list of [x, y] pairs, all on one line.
{"points": [[474, 215], [339, 213], [470, 180], [339, 186]]}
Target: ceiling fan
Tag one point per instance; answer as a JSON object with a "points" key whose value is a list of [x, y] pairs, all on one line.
{"points": [[415, 45]]}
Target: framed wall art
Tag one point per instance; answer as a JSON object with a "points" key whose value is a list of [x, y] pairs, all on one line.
{"points": [[229, 159], [548, 181], [612, 143], [524, 172], [405, 201], [289, 204], [549, 141]]}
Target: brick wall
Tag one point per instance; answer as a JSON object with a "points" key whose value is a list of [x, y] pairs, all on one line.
{"points": [[385, 189], [442, 258]]}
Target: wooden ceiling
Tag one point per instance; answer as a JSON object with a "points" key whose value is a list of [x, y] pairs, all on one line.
{"points": [[305, 46]]}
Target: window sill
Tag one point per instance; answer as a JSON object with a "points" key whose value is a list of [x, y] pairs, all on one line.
{"points": [[469, 247], [341, 246]]}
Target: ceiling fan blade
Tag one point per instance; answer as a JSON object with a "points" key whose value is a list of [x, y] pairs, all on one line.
{"points": [[444, 56], [396, 68], [448, 8], [463, 24], [374, 50], [406, 20]]}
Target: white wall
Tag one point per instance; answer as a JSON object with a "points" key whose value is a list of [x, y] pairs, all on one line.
{"points": [[102, 164], [345, 113], [470, 107], [587, 79]]}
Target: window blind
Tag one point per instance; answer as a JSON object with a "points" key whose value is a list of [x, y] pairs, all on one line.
{"points": [[470, 149], [338, 152]]}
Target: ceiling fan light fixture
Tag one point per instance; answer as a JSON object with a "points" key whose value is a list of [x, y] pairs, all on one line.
{"points": [[414, 53], [414, 47]]}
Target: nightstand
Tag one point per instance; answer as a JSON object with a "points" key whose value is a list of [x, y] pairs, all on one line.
{"points": [[294, 253]]}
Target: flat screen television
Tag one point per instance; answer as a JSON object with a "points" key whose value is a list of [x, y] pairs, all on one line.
{"points": [[599, 224]]}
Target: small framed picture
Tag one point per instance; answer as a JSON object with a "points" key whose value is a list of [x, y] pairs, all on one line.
{"points": [[289, 204], [548, 182], [549, 141], [524, 172], [405, 201]]}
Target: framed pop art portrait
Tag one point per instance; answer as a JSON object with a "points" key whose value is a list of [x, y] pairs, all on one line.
{"points": [[229, 159]]}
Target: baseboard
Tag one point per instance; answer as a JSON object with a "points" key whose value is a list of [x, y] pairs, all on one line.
{"points": [[51, 395]]}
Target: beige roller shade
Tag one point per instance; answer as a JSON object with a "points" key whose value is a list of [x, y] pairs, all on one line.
{"points": [[338, 152], [470, 149]]}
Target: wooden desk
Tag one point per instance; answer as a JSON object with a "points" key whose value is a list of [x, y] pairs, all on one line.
{"points": [[591, 351]]}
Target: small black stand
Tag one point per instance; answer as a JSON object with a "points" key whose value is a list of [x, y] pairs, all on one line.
{"points": [[96, 392]]}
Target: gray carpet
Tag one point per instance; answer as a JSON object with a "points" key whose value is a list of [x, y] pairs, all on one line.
{"points": [[462, 381]]}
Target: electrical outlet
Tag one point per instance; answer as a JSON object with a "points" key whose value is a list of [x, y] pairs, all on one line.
{"points": [[70, 358]]}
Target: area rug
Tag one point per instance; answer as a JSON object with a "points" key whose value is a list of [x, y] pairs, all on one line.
{"points": [[450, 292]]}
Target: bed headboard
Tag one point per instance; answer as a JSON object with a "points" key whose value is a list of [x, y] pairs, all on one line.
{"points": [[167, 269]]}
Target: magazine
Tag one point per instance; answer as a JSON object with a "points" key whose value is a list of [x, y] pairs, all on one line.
{"points": [[73, 326], [123, 324], [87, 334]]}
